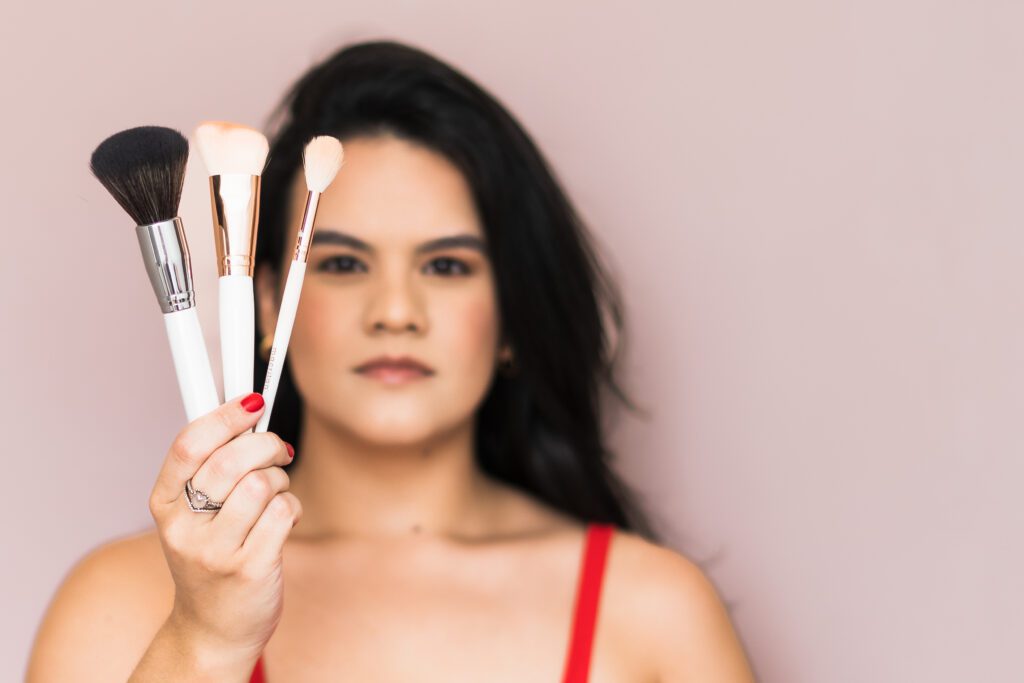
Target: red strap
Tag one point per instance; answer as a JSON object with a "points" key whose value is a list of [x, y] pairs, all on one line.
{"points": [[588, 594], [257, 673]]}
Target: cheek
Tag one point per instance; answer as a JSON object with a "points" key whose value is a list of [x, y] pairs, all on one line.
{"points": [[468, 329], [322, 324]]}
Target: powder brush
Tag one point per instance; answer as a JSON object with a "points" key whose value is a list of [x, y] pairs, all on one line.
{"points": [[144, 169]]}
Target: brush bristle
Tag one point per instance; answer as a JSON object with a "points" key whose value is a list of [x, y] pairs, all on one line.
{"points": [[231, 148], [143, 169], [321, 160]]}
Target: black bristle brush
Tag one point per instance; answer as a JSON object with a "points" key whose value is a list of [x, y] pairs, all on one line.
{"points": [[143, 169]]}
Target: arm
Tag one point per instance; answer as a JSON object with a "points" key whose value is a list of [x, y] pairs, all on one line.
{"points": [[110, 617], [197, 599], [696, 642], [665, 617], [174, 656]]}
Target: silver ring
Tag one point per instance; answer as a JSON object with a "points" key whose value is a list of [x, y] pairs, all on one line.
{"points": [[199, 501]]}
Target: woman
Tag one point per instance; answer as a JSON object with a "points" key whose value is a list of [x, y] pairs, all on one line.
{"points": [[459, 517]]}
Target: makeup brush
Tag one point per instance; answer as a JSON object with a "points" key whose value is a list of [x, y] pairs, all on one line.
{"points": [[144, 170], [321, 160], [234, 156]]}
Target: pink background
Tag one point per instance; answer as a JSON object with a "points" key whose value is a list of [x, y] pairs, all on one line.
{"points": [[814, 210]]}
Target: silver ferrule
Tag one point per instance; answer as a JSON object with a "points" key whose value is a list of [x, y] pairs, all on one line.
{"points": [[165, 253], [305, 236]]}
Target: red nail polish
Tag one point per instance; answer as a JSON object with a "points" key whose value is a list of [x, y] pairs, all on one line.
{"points": [[291, 451], [252, 402]]}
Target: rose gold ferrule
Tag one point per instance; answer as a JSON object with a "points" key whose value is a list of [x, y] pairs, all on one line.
{"points": [[235, 201], [305, 236]]}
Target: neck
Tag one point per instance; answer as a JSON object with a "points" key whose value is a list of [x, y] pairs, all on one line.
{"points": [[351, 487]]}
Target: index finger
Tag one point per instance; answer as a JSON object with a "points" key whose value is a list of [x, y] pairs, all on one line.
{"points": [[199, 439]]}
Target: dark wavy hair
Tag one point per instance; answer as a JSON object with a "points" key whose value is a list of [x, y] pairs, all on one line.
{"points": [[540, 428]]}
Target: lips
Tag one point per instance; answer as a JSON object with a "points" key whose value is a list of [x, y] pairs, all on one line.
{"points": [[394, 369]]}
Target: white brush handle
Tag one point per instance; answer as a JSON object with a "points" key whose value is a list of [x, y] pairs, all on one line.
{"points": [[191, 363], [237, 333], [282, 333]]}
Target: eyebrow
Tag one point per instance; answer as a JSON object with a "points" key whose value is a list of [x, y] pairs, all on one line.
{"points": [[339, 238]]}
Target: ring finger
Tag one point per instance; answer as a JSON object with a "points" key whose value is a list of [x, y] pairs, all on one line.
{"points": [[245, 504]]}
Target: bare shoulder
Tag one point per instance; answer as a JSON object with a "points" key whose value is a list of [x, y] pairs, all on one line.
{"points": [[105, 612], [663, 602]]}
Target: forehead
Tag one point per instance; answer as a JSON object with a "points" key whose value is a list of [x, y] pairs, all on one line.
{"points": [[393, 191]]}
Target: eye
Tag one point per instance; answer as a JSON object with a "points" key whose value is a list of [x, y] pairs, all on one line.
{"points": [[342, 263], [445, 264]]}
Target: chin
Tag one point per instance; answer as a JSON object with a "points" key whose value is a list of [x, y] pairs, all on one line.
{"points": [[382, 426]]}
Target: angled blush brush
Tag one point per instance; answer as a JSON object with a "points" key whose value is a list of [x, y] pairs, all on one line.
{"points": [[321, 160], [234, 156], [144, 169]]}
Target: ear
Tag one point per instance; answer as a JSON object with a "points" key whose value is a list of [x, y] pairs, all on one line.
{"points": [[266, 283]]}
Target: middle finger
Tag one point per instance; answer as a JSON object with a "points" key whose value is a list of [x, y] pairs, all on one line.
{"points": [[226, 466]]}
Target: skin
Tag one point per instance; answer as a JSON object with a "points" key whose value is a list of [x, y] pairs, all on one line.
{"points": [[409, 563]]}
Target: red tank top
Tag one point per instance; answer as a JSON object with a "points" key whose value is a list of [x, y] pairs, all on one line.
{"points": [[588, 593]]}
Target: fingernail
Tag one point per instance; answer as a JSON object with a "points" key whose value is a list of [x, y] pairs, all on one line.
{"points": [[291, 451], [252, 402]]}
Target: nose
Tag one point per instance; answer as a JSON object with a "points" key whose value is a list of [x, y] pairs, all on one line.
{"points": [[395, 305]]}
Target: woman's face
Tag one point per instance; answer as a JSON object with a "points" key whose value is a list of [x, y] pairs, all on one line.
{"points": [[390, 292]]}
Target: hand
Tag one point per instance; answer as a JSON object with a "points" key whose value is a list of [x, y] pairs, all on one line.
{"points": [[226, 565]]}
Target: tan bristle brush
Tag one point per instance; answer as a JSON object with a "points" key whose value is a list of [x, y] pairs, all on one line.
{"points": [[321, 161], [234, 156]]}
